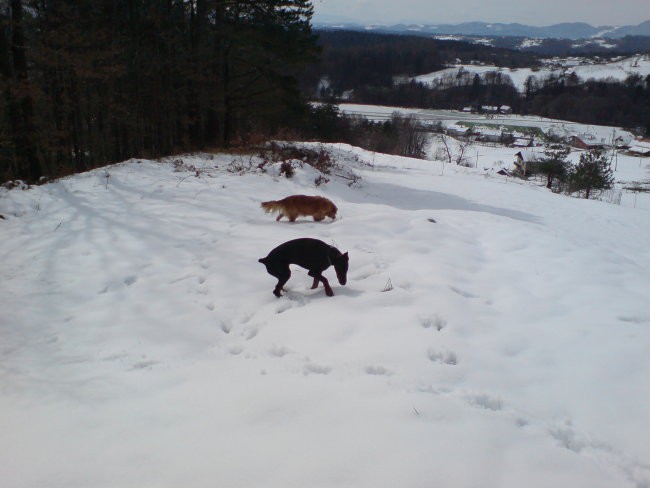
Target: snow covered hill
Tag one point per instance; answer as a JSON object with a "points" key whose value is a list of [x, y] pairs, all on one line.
{"points": [[617, 70], [490, 334]]}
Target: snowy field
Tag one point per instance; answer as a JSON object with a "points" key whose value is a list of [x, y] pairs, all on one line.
{"points": [[491, 334], [564, 128], [618, 70]]}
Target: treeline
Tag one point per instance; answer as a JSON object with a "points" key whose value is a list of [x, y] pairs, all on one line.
{"points": [[487, 90], [352, 60], [627, 45], [90, 82], [603, 102]]}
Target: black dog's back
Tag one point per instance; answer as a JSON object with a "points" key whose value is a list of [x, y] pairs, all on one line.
{"points": [[311, 254]]}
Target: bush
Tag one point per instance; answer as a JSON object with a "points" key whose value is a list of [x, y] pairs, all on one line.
{"points": [[286, 169]]}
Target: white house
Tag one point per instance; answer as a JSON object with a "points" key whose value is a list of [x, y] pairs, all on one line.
{"points": [[525, 159]]}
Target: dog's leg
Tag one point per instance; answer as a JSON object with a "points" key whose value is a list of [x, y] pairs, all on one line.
{"points": [[280, 215], [319, 277], [316, 276], [282, 276], [328, 288]]}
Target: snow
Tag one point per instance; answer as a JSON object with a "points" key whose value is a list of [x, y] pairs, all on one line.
{"points": [[526, 43], [142, 344], [603, 43], [447, 37], [640, 146], [618, 70]]}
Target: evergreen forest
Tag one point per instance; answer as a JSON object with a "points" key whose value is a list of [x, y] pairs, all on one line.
{"points": [[89, 82]]}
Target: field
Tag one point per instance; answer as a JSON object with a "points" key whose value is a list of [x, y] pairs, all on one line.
{"points": [[491, 333]]}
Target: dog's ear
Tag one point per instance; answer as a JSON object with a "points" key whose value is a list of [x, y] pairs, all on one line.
{"points": [[346, 255]]}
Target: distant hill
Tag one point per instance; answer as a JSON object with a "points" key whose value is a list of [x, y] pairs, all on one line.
{"points": [[642, 29], [572, 30]]}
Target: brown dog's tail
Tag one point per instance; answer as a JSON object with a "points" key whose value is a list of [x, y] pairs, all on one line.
{"points": [[271, 206]]}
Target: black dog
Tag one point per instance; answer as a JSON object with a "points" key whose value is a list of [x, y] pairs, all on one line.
{"points": [[313, 255]]}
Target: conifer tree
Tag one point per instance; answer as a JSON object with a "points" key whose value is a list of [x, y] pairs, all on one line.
{"points": [[593, 172], [554, 164], [260, 44]]}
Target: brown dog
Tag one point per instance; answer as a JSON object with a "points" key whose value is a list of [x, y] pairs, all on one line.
{"points": [[301, 205]]}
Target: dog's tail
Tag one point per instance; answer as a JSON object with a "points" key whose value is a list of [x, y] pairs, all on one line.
{"points": [[271, 206]]}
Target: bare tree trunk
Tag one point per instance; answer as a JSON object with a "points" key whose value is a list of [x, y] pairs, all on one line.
{"points": [[23, 127], [223, 74], [462, 148], [443, 138]]}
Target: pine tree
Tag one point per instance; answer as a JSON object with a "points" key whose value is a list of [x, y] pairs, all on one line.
{"points": [[260, 44], [554, 164], [593, 172]]}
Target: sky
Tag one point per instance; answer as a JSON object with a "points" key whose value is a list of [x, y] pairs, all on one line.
{"points": [[530, 12]]}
